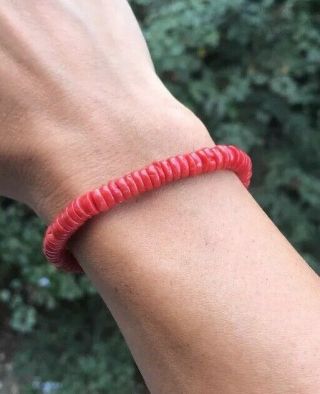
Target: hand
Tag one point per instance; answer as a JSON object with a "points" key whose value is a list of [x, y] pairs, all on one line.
{"points": [[80, 101]]}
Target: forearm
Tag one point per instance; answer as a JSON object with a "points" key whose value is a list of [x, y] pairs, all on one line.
{"points": [[208, 294]]}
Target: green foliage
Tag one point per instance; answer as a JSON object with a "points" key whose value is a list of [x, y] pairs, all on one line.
{"points": [[66, 333], [251, 71]]}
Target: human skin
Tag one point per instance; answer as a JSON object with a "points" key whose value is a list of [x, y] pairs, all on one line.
{"points": [[209, 295]]}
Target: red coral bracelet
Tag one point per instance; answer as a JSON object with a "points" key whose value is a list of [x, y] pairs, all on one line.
{"points": [[158, 174]]}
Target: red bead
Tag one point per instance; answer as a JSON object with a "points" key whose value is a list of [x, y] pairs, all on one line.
{"points": [[204, 160], [225, 155], [125, 189], [146, 179], [160, 171], [99, 201], [116, 192], [154, 176], [73, 214], [184, 166], [138, 181], [107, 196], [219, 158], [192, 165], [167, 170], [87, 204], [198, 163], [79, 209], [211, 159], [175, 167], [132, 185]]}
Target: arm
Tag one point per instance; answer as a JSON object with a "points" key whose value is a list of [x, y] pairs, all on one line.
{"points": [[208, 294]]}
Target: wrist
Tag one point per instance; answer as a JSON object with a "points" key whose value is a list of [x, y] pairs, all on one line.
{"points": [[155, 133], [160, 173]]}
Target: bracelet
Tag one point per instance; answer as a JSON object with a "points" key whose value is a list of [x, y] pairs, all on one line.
{"points": [[157, 174]]}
